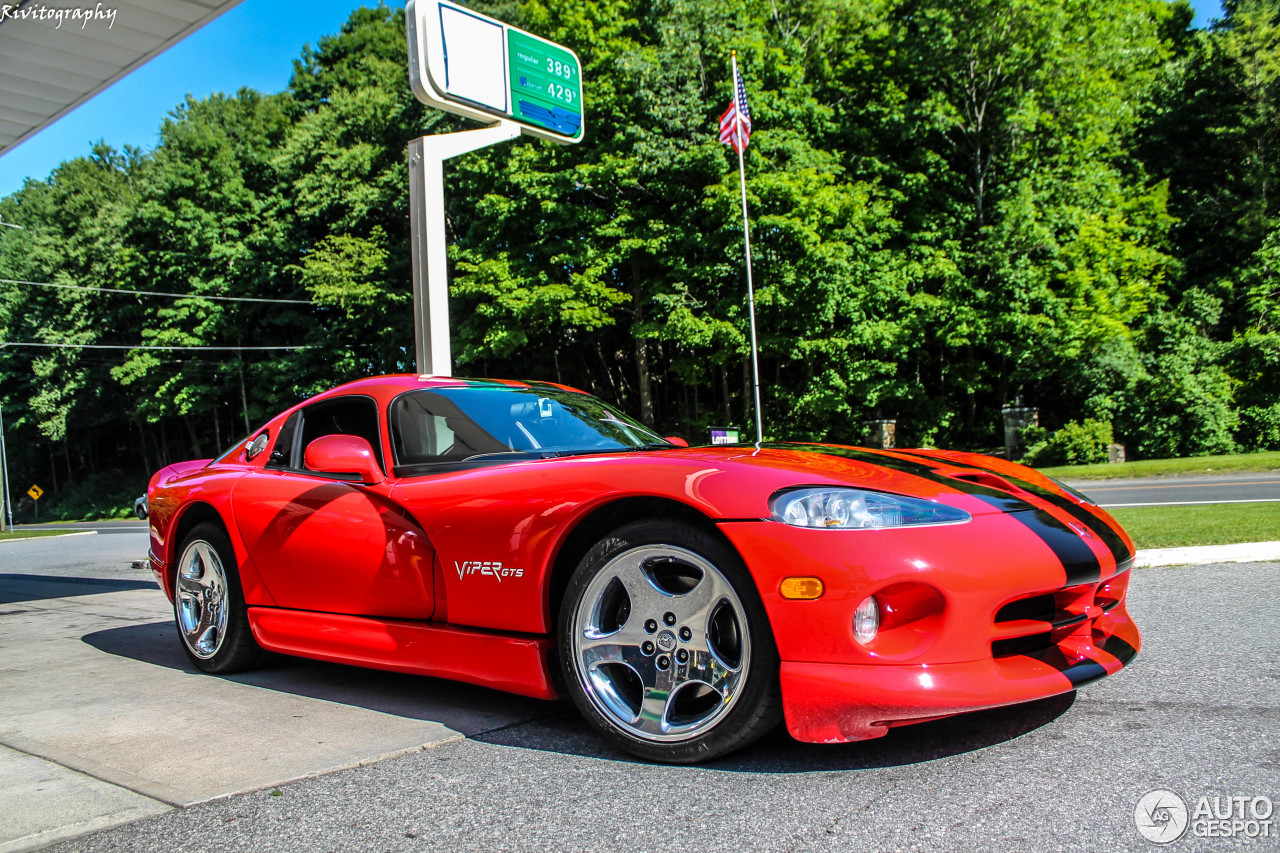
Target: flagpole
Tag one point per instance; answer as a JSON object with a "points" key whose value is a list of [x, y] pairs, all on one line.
{"points": [[746, 245]]}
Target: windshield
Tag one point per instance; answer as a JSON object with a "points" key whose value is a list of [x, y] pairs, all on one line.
{"points": [[455, 424]]}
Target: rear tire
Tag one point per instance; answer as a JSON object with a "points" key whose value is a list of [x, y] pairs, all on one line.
{"points": [[665, 646], [208, 604]]}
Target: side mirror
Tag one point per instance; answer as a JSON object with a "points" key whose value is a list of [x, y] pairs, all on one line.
{"points": [[677, 441], [344, 454]]}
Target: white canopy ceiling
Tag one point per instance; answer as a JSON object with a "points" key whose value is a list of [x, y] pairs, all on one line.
{"points": [[46, 70]]}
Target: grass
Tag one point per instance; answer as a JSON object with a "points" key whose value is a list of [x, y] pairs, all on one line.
{"points": [[1229, 464], [1207, 524], [25, 534]]}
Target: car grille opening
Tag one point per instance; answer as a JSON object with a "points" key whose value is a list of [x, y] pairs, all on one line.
{"points": [[1040, 607], [1028, 645], [1048, 622]]}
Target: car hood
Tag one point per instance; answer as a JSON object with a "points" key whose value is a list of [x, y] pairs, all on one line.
{"points": [[993, 484], [980, 485], [175, 470]]}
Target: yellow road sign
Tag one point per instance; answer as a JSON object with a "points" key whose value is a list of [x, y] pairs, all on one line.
{"points": [[35, 492]]}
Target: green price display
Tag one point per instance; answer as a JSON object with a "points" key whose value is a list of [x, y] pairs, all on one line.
{"points": [[546, 84]]}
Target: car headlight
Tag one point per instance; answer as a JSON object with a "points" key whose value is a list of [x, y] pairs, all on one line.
{"points": [[837, 508]]}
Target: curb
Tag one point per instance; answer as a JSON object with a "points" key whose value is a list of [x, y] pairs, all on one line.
{"points": [[54, 536], [1247, 552]]}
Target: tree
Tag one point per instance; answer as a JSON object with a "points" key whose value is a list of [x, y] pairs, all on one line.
{"points": [[953, 204]]}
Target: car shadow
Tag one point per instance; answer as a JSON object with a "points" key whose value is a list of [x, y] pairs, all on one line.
{"points": [[556, 727], [462, 707], [779, 753], [17, 588]]}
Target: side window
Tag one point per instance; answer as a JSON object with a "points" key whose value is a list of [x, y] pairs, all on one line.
{"points": [[285, 452], [340, 416], [427, 427]]}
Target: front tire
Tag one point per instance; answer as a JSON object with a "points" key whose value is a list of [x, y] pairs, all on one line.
{"points": [[665, 646], [208, 604]]}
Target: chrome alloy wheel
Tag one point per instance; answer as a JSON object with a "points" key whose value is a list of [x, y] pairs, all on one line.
{"points": [[200, 590], [660, 643]]}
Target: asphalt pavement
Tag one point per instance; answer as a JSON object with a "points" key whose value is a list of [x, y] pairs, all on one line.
{"points": [[105, 527], [1197, 713], [1162, 491]]}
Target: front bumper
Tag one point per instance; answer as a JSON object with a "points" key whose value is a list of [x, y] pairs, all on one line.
{"points": [[835, 703], [160, 571], [987, 616]]}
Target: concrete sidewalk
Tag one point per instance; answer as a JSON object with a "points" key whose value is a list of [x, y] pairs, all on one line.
{"points": [[1203, 555], [103, 720]]}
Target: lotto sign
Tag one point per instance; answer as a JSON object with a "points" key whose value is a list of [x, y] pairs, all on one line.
{"points": [[724, 435], [473, 65]]}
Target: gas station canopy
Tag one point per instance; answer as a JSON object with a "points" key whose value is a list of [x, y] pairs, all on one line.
{"points": [[46, 70]]}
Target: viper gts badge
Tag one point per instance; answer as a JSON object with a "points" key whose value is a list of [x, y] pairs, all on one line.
{"points": [[474, 567]]}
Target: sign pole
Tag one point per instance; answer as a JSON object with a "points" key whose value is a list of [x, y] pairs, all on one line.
{"points": [[4, 467], [475, 66], [426, 223]]}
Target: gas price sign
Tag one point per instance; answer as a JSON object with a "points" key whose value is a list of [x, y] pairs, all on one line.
{"points": [[546, 84], [477, 66]]}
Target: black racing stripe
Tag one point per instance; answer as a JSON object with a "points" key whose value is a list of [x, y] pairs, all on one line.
{"points": [[1077, 558], [997, 498], [1085, 672], [1120, 650], [1120, 551], [1079, 673], [1123, 556]]}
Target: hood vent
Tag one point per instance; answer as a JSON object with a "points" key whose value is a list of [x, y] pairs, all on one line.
{"points": [[984, 478]]}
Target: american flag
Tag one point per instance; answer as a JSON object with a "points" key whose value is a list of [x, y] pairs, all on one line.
{"points": [[735, 124]]}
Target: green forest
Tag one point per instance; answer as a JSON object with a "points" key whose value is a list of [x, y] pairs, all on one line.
{"points": [[956, 205]]}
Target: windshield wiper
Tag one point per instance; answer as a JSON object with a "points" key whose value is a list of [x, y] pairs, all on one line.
{"points": [[590, 451], [501, 455], [560, 454]]}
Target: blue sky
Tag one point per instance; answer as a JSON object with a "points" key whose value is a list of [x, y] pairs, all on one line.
{"points": [[252, 45]]}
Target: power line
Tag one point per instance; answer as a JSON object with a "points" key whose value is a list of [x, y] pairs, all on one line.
{"points": [[4, 344], [157, 293], [202, 364]]}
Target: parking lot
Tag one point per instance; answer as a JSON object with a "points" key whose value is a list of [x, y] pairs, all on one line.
{"points": [[103, 724]]}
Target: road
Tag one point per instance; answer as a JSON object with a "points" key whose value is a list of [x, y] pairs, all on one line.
{"points": [[1197, 713], [1144, 491], [1160, 491], [104, 527]]}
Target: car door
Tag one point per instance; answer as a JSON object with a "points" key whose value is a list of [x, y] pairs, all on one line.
{"points": [[322, 542]]}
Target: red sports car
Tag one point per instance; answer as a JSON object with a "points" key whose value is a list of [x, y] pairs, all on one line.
{"points": [[528, 537]]}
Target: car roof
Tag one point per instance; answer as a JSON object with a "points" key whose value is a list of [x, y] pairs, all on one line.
{"points": [[384, 387]]}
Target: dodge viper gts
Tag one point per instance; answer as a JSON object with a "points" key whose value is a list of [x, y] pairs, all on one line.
{"points": [[528, 537]]}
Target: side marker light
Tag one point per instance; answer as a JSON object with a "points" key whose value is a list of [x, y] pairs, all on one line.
{"points": [[801, 589]]}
